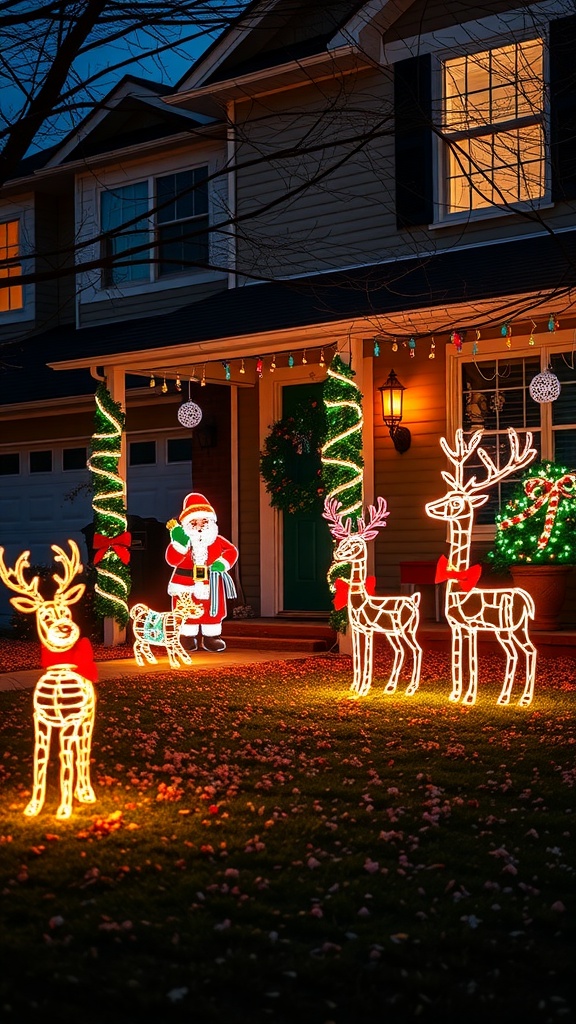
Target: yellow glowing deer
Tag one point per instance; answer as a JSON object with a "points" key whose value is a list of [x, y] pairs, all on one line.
{"points": [[64, 697], [503, 612], [396, 617]]}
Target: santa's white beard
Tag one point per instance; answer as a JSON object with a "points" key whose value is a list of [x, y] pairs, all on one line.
{"points": [[200, 540]]}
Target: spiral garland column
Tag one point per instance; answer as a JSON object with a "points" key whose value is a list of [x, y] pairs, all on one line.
{"points": [[342, 460], [111, 539]]}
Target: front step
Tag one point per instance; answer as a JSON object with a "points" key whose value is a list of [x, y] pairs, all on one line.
{"points": [[278, 634]]}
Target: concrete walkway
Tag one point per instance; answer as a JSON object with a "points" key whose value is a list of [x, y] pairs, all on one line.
{"points": [[25, 679]]}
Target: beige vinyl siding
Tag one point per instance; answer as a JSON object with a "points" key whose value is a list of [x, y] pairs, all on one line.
{"points": [[151, 303], [248, 496]]}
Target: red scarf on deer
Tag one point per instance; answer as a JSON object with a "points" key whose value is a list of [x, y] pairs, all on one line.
{"points": [[467, 578], [80, 656], [340, 599]]}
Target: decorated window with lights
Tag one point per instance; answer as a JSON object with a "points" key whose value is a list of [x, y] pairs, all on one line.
{"points": [[534, 390], [493, 127]]}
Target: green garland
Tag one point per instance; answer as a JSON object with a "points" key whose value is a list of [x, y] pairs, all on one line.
{"points": [[290, 460], [109, 505], [342, 459]]}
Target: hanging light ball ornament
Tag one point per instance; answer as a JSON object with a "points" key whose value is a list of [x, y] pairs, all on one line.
{"points": [[545, 387], [189, 414]]}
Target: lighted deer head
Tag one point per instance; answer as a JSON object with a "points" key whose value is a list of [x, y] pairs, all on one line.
{"points": [[351, 547], [56, 627]]}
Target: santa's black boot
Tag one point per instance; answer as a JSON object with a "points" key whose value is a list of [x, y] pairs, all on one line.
{"points": [[213, 643], [189, 643]]}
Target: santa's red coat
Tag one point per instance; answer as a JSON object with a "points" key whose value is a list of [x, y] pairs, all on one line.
{"points": [[182, 579]]}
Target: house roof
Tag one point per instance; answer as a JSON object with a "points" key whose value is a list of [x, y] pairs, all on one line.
{"points": [[540, 265]]}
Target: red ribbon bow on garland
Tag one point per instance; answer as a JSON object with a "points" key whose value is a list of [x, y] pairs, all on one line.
{"points": [[340, 599], [552, 490], [120, 545], [467, 578]]}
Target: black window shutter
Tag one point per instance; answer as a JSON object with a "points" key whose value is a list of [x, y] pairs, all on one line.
{"points": [[563, 107], [413, 133]]}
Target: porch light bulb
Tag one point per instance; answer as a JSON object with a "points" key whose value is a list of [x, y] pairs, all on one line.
{"points": [[242, 367]]}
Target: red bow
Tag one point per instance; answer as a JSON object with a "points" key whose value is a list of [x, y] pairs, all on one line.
{"points": [[467, 578], [120, 545], [80, 656], [340, 599]]}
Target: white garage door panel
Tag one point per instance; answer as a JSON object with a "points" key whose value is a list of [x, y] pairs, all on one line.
{"points": [[41, 509]]}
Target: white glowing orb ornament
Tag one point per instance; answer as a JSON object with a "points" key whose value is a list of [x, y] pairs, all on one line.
{"points": [[545, 387], [396, 617], [64, 696], [189, 414], [469, 609]]}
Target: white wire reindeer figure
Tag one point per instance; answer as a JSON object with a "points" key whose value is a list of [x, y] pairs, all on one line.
{"points": [[64, 697], [162, 629], [396, 617], [503, 612]]}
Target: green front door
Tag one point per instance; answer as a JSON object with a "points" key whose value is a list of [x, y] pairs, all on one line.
{"points": [[307, 542]]}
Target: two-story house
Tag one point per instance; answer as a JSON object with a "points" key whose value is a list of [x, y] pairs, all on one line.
{"points": [[392, 182]]}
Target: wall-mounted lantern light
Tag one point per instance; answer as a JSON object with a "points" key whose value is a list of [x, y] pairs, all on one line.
{"points": [[392, 395]]}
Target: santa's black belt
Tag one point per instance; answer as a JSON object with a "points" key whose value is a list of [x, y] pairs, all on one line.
{"points": [[200, 573]]}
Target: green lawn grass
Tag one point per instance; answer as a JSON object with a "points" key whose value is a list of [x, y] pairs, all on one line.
{"points": [[264, 848]]}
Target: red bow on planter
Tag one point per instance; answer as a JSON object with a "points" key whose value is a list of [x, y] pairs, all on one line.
{"points": [[120, 545], [467, 578], [340, 599]]}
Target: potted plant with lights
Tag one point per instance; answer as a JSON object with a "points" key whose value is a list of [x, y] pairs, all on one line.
{"points": [[536, 538]]}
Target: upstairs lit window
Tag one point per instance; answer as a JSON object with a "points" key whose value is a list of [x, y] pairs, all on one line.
{"points": [[493, 127], [11, 296]]}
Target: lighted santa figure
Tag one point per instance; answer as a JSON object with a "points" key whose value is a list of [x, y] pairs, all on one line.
{"points": [[200, 579]]}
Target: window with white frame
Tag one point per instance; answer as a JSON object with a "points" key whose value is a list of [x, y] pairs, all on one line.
{"points": [[156, 227], [495, 395], [11, 295], [493, 130]]}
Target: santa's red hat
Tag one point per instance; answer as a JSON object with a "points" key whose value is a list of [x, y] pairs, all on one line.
{"points": [[196, 505]]}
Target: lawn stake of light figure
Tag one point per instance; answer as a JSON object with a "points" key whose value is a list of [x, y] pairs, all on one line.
{"points": [[504, 612], [396, 617], [163, 629], [64, 697]]}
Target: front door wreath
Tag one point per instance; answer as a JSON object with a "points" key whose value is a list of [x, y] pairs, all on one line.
{"points": [[290, 462]]}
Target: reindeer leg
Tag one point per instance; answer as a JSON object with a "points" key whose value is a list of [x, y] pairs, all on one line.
{"points": [[67, 745], [368, 661], [42, 733], [137, 649], [456, 663], [84, 792], [531, 655], [417, 661], [396, 645], [508, 645], [470, 695], [356, 661]]}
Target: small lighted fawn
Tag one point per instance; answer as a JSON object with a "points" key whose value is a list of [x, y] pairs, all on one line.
{"points": [[396, 617], [64, 696], [162, 629], [505, 612]]}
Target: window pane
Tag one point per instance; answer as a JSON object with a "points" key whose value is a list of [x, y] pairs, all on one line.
{"points": [[127, 205], [564, 408], [9, 464], [10, 297], [180, 449], [142, 453], [41, 462], [182, 246], [182, 195], [565, 447], [74, 458]]}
